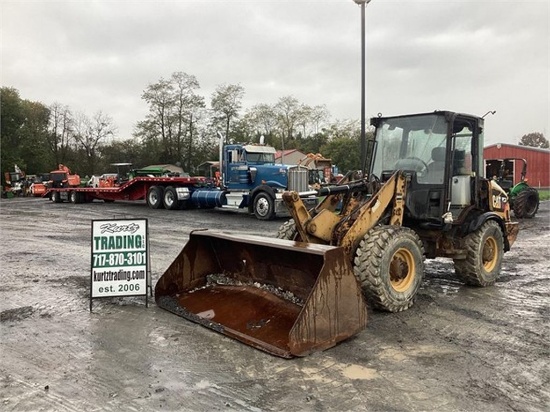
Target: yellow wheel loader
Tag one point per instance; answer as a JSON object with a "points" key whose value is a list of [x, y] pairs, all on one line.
{"points": [[424, 197]]}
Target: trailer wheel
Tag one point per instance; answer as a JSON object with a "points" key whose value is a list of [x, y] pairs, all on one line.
{"points": [[389, 263], [74, 197], [526, 203], [154, 197], [170, 199], [264, 206], [287, 230], [56, 197], [485, 248]]}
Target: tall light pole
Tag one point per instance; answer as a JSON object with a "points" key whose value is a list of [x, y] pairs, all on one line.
{"points": [[363, 4]]}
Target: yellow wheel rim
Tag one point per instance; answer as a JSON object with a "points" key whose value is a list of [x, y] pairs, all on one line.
{"points": [[402, 270], [489, 254]]}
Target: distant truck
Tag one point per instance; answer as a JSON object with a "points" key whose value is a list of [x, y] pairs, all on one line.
{"points": [[248, 179], [15, 183]]}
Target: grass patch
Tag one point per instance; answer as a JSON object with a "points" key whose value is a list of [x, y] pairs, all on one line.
{"points": [[544, 194]]}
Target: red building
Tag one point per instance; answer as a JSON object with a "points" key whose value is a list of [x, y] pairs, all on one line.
{"points": [[538, 162]]}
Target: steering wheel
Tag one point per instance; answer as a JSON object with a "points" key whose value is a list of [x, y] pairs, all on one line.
{"points": [[416, 164]]}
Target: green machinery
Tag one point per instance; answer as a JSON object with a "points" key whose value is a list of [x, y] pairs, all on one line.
{"points": [[524, 199]]}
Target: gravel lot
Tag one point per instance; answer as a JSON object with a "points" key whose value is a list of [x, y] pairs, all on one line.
{"points": [[458, 348]]}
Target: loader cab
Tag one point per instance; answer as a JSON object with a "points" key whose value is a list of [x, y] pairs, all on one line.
{"points": [[439, 152]]}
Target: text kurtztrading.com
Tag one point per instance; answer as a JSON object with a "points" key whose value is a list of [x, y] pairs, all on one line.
{"points": [[110, 275]]}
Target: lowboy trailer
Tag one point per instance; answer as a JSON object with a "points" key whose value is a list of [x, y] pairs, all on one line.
{"points": [[168, 192]]}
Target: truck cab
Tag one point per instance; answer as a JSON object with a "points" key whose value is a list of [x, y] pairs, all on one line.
{"points": [[251, 179], [247, 166]]}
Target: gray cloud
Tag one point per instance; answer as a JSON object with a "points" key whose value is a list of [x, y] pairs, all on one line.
{"points": [[470, 56]]}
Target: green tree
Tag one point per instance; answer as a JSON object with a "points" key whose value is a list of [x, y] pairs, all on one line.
{"points": [[90, 134], [60, 132], [170, 126], [343, 146], [123, 151], [534, 139], [187, 106], [23, 131], [314, 143], [12, 118], [289, 114], [344, 153], [34, 137], [227, 102], [261, 120]]}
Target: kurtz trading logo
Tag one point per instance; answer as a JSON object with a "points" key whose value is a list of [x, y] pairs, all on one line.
{"points": [[119, 258], [114, 228]]}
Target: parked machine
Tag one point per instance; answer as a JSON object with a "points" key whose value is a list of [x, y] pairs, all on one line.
{"points": [[320, 169], [39, 184], [62, 177], [250, 179], [14, 183], [424, 197], [524, 199]]}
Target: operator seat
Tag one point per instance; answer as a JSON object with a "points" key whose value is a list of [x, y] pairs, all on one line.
{"points": [[436, 169]]}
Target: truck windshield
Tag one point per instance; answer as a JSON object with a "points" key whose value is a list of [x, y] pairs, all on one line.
{"points": [[415, 143], [260, 157]]}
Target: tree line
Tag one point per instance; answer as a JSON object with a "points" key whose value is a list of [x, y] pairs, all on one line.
{"points": [[179, 128]]}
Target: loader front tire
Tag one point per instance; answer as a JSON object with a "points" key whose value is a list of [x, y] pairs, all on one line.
{"points": [[389, 264], [484, 251], [526, 203], [287, 230]]}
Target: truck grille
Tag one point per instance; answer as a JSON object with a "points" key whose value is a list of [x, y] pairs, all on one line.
{"points": [[298, 179]]}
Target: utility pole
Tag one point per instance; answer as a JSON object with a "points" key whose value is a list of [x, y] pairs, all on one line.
{"points": [[363, 5]]}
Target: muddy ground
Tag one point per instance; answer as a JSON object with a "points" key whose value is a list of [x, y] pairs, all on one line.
{"points": [[458, 348]]}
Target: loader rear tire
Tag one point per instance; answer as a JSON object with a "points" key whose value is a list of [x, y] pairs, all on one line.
{"points": [[287, 230], [526, 203], [154, 197], [389, 264], [484, 248]]}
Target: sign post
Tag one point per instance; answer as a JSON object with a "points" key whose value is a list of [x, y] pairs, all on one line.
{"points": [[120, 259]]}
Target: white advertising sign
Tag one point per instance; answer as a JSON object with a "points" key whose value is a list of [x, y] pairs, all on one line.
{"points": [[119, 258]]}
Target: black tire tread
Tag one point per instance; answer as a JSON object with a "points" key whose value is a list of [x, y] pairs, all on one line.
{"points": [[367, 267], [526, 203], [287, 230], [469, 270]]}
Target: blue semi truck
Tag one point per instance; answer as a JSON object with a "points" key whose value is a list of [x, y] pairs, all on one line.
{"points": [[250, 179]]}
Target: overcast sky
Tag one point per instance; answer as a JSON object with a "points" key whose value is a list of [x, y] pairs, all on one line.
{"points": [[464, 55]]}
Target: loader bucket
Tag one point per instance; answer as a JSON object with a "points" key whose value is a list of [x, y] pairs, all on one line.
{"points": [[284, 297]]}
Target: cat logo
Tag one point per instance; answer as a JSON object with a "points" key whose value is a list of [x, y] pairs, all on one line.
{"points": [[499, 201]]}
